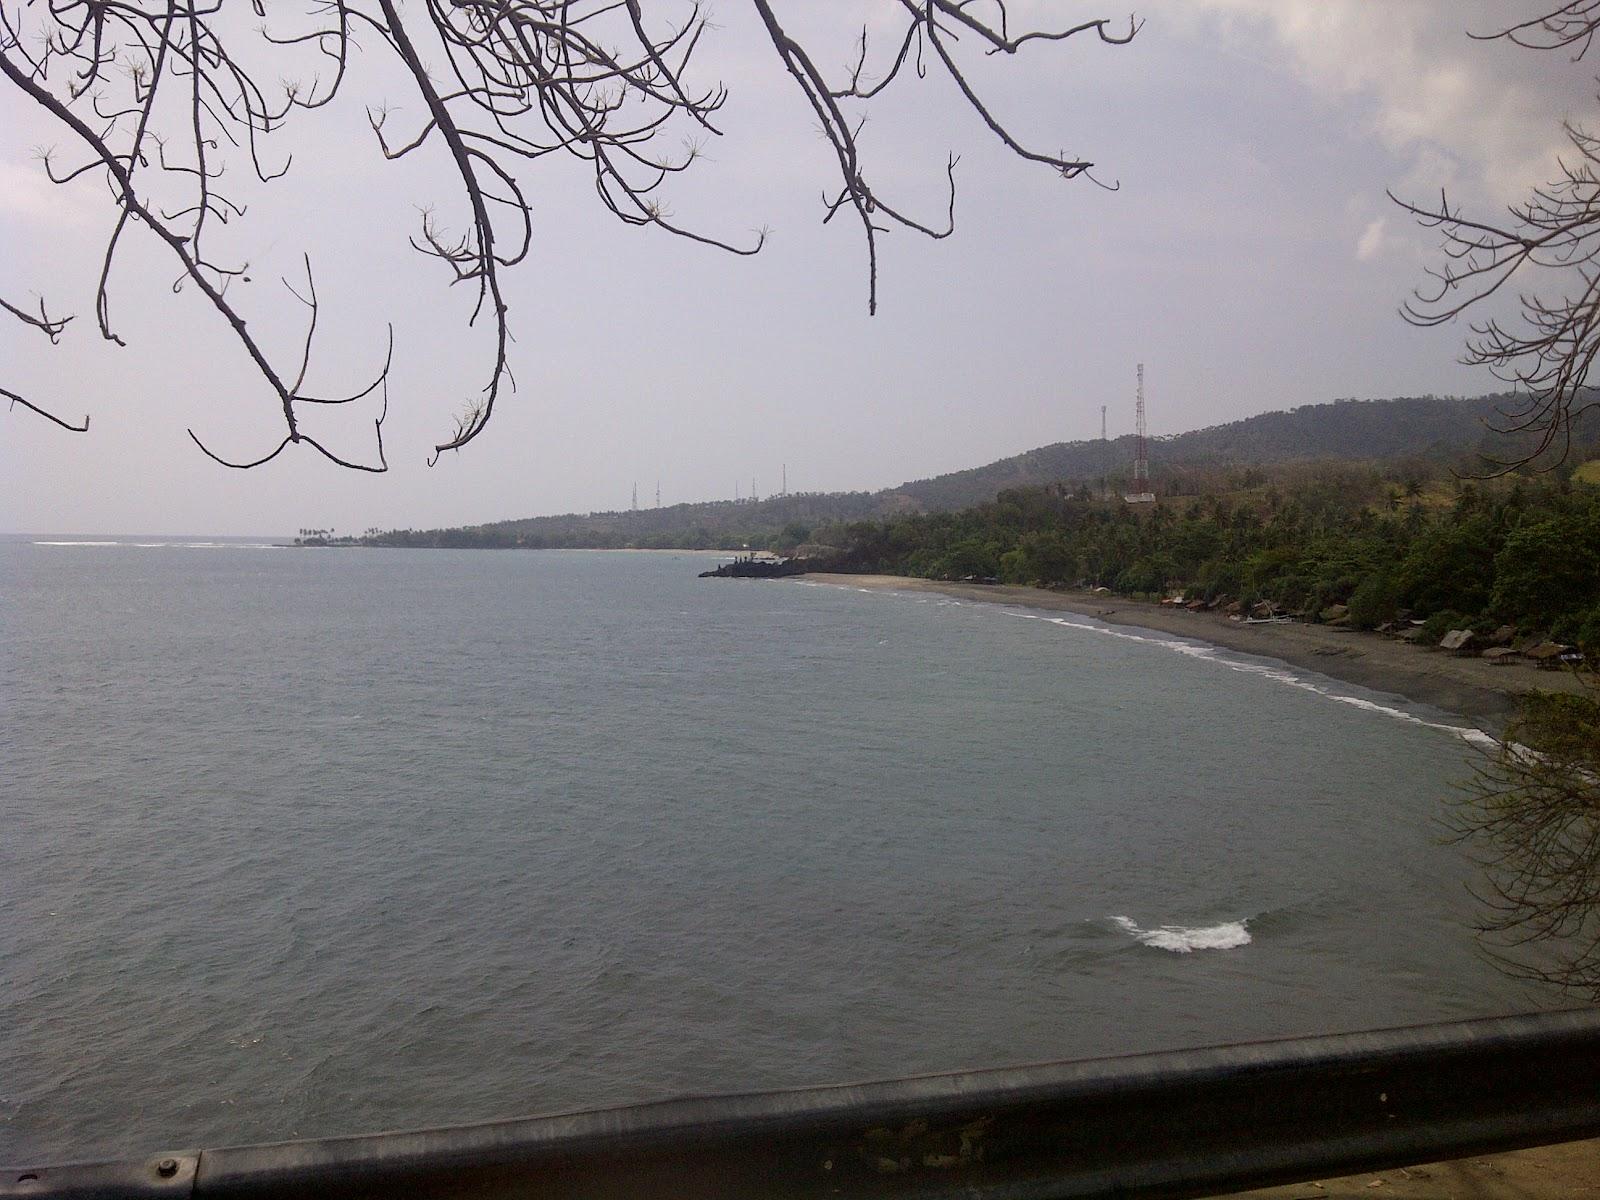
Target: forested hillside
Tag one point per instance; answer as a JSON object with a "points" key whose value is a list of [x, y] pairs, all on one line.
{"points": [[1430, 428], [1427, 426], [717, 525]]}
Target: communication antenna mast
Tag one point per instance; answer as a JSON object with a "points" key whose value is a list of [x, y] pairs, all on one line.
{"points": [[1141, 461], [785, 479], [1141, 493], [635, 495], [753, 496], [658, 493], [1105, 455]]}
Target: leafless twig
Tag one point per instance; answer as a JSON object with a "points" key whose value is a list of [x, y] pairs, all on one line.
{"points": [[1531, 818], [52, 328], [1550, 244], [162, 97]]}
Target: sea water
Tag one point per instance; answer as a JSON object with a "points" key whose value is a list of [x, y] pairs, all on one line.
{"points": [[296, 843]]}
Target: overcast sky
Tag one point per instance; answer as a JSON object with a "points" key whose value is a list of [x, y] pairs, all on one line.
{"points": [[1250, 259]]}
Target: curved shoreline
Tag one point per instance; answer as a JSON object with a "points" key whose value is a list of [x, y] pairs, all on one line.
{"points": [[1470, 687]]}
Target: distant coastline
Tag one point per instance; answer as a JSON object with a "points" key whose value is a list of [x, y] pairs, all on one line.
{"points": [[676, 551], [1471, 687]]}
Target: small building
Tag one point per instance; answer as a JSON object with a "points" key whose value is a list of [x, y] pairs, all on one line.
{"points": [[1548, 656]]}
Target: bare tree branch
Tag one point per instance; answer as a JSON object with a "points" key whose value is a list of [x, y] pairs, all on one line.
{"points": [[45, 413], [1531, 818], [1572, 24], [1549, 243], [160, 95], [52, 328]]}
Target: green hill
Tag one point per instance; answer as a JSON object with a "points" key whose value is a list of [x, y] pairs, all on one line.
{"points": [[1431, 427], [1435, 428]]}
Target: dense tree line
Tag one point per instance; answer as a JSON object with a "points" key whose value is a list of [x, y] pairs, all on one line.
{"points": [[1398, 541]]}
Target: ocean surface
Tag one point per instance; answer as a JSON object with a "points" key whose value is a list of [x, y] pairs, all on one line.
{"points": [[297, 843]]}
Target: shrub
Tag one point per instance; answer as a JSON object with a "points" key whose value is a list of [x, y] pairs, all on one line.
{"points": [[1218, 577], [1450, 566], [1145, 575], [1375, 601], [1441, 623], [1548, 567], [1588, 634]]}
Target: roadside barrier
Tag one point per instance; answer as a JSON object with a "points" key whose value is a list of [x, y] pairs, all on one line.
{"points": [[1185, 1123]]}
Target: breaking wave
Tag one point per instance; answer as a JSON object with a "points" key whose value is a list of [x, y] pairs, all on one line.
{"points": [[168, 545], [1277, 672], [1227, 936]]}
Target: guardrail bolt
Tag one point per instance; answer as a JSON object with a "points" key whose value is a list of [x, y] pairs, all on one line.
{"points": [[167, 1168]]}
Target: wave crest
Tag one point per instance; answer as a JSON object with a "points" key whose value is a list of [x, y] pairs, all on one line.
{"points": [[1180, 940]]}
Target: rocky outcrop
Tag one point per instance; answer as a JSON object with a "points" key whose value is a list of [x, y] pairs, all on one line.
{"points": [[757, 568]]}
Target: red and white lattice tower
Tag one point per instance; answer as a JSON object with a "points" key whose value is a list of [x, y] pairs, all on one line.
{"points": [[1141, 459], [1140, 493]]}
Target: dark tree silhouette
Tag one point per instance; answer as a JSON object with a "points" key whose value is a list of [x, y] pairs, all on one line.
{"points": [[162, 97], [1531, 816], [1550, 245]]}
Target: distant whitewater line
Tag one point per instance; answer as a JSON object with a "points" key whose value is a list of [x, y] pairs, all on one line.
{"points": [[1227, 936], [166, 545]]}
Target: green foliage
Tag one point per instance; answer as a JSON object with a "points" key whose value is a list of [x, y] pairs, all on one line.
{"points": [[790, 537], [1549, 566], [1562, 725], [1147, 575], [1441, 623], [1450, 564], [1040, 557], [1219, 577], [1586, 633], [1303, 536], [1375, 601], [972, 556]]}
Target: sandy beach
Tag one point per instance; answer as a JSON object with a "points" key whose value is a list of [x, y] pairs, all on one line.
{"points": [[1471, 687]]}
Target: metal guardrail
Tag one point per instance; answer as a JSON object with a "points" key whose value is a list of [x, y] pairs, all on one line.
{"points": [[1188, 1123]]}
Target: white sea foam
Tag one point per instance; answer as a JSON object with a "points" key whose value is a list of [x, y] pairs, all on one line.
{"points": [[169, 545], [1266, 670], [1227, 936], [1277, 672]]}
